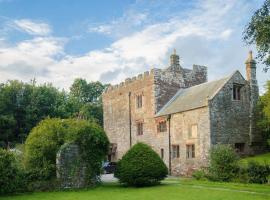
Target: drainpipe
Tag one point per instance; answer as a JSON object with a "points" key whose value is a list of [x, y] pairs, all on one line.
{"points": [[129, 105], [170, 158]]}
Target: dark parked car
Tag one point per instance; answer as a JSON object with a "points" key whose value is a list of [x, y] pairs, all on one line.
{"points": [[109, 167]]}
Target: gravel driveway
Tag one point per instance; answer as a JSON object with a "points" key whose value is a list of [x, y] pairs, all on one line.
{"points": [[107, 178]]}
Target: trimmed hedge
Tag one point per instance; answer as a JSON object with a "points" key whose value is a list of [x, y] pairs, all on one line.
{"points": [[45, 140], [141, 166]]}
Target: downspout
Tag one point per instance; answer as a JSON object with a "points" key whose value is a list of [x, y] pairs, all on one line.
{"points": [[129, 107], [170, 158]]}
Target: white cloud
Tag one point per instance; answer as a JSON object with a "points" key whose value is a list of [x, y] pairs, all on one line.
{"points": [[127, 24], [209, 34], [31, 27]]}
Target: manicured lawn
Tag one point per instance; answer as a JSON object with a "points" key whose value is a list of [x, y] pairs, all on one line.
{"points": [[263, 158], [170, 189]]}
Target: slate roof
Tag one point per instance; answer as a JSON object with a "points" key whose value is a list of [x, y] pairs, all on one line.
{"points": [[193, 97]]}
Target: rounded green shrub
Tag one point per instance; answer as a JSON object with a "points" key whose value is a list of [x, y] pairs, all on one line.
{"points": [[223, 163], [11, 175], [200, 174], [46, 138], [141, 166], [258, 173]]}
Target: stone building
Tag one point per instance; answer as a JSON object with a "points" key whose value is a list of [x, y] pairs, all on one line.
{"points": [[181, 115]]}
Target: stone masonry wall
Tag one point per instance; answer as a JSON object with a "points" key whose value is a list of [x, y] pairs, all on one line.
{"points": [[168, 82], [180, 135], [70, 168], [226, 114], [156, 88], [116, 111]]}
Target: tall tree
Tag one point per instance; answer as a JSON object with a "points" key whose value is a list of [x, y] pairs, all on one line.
{"points": [[263, 113], [86, 92], [258, 32]]}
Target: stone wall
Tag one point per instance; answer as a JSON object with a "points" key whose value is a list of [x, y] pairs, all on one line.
{"points": [[116, 111], [70, 168], [168, 82], [230, 118], [180, 135], [157, 87]]}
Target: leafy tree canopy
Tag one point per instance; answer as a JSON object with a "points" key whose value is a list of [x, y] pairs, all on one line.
{"points": [[86, 92], [258, 32], [23, 105], [263, 113]]}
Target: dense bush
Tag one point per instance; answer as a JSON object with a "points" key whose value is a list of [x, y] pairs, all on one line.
{"points": [[200, 174], [258, 173], [141, 166], [223, 163], [11, 175], [45, 140]]}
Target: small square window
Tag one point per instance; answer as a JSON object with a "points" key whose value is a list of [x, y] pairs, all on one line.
{"points": [[162, 126], [175, 151], [190, 148], [139, 128]]}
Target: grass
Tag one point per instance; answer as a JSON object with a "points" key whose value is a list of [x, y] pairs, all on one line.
{"points": [[169, 190], [263, 158]]}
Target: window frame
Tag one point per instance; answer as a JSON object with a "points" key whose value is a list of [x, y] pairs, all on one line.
{"points": [[139, 127], [139, 101], [236, 93], [190, 151], [162, 153], [162, 126], [175, 151]]}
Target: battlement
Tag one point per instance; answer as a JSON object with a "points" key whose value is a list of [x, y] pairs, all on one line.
{"points": [[197, 72], [172, 75], [129, 81]]}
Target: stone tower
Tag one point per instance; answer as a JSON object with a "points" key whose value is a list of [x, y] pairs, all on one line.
{"points": [[254, 92]]}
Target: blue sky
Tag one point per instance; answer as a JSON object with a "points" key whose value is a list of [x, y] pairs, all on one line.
{"points": [[57, 41]]}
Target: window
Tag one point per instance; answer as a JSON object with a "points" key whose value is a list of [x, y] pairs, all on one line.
{"points": [[139, 128], [193, 131], [139, 101], [162, 126], [175, 151], [162, 153], [239, 147], [236, 92], [190, 151]]}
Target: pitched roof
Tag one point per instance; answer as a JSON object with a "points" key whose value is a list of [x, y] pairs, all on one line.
{"points": [[193, 97]]}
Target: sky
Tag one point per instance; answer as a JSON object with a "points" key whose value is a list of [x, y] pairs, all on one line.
{"points": [[108, 41]]}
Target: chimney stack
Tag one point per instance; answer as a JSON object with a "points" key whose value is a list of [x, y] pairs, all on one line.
{"points": [[174, 58], [254, 94], [251, 68]]}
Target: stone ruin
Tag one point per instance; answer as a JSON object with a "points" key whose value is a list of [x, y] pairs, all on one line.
{"points": [[71, 170]]}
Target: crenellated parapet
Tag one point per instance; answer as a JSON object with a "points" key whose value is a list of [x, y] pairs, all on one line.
{"points": [[132, 80], [173, 76]]}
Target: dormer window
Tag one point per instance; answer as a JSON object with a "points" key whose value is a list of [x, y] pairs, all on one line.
{"points": [[236, 92], [139, 101]]}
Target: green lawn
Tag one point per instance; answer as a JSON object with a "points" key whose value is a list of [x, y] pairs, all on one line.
{"points": [[170, 189], [263, 158]]}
